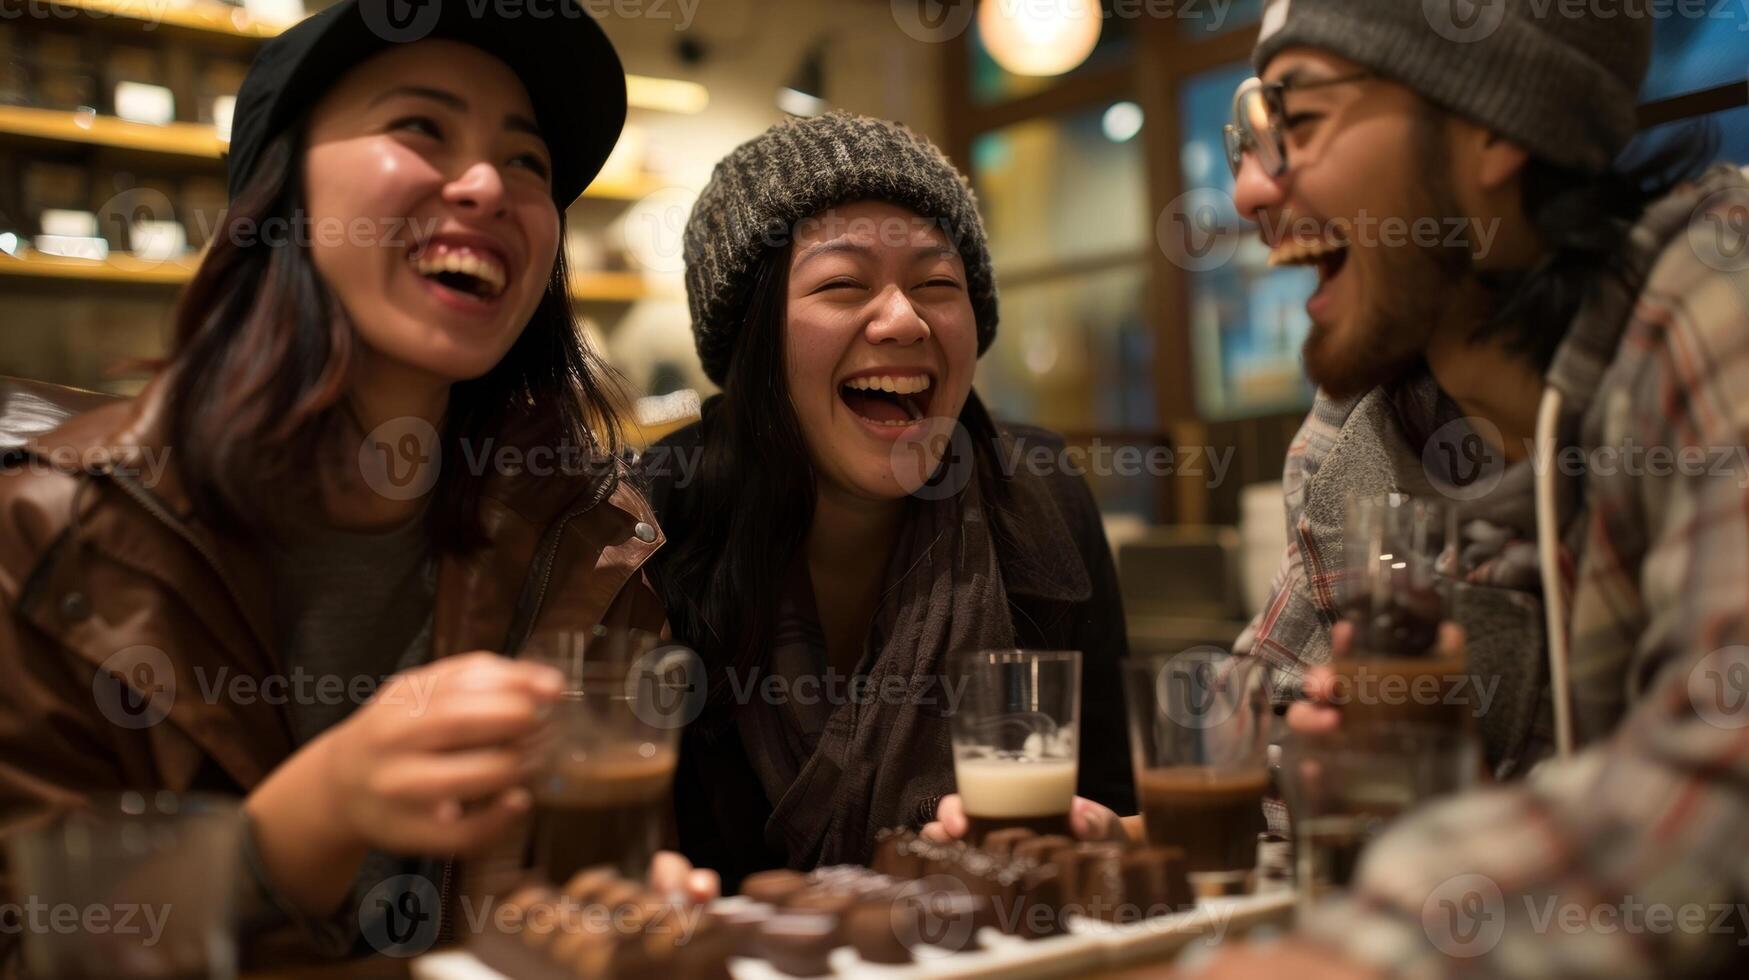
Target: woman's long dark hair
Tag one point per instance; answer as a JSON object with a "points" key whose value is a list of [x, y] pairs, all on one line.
{"points": [[736, 530], [264, 356], [1583, 220]]}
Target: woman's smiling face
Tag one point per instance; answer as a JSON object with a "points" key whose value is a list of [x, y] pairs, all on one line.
{"points": [[879, 345], [430, 205]]}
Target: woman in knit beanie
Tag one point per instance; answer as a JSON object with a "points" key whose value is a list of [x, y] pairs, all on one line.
{"points": [[846, 516]]}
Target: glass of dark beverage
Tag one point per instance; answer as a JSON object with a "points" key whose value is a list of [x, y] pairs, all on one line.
{"points": [[1200, 725], [603, 795], [1016, 739], [1343, 791], [139, 886], [1399, 557]]}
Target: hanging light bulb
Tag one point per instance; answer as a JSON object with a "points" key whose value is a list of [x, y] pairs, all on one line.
{"points": [[1031, 38]]}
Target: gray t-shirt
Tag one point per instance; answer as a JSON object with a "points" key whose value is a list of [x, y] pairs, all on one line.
{"points": [[350, 605], [350, 609]]}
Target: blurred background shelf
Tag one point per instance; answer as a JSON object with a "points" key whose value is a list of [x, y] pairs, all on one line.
{"points": [[199, 141], [182, 139], [208, 17], [118, 269], [619, 287], [124, 269]]}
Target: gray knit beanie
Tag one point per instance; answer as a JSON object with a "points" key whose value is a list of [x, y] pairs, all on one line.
{"points": [[1559, 79], [796, 170]]}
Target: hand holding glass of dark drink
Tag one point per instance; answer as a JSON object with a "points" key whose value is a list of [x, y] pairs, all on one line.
{"points": [[1392, 669], [603, 796]]}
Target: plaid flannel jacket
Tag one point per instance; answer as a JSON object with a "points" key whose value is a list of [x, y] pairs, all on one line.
{"points": [[1632, 858]]}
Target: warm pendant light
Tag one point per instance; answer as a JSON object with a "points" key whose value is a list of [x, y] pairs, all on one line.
{"points": [[1030, 38]]}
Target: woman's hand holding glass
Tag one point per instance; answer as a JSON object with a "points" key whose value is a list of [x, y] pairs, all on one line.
{"points": [[1087, 819]]}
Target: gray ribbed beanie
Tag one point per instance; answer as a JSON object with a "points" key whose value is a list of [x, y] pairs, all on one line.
{"points": [[795, 170], [1560, 79]]}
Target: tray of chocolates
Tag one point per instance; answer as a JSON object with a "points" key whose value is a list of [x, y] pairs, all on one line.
{"points": [[1020, 905]]}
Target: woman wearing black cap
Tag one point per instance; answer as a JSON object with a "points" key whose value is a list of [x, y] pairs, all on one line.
{"points": [[841, 292], [383, 309]]}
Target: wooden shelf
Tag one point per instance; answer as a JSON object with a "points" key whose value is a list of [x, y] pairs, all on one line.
{"points": [[210, 18], [198, 141], [617, 287], [587, 287], [117, 268], [191, 140]]}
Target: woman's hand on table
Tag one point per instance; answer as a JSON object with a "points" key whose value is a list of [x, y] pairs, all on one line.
{"points": [[672, 873], [1087, 821]]}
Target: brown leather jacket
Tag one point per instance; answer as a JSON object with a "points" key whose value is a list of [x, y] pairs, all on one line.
{"points": [[109, 580]]}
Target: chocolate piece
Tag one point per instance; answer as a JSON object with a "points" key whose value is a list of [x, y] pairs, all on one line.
{"points": [[873, 927], [943, 917], [705, 954], [539, 921], [507, 953], [667, 931], [1000, 844], [587, 885], [516, 906], [826, 900], [622, 899], [894, 854], [976, 871], [1092, 878], [583, 943], [797, 943], [1068, 864], [942, 859], [742, 922], [1038, 850], [1154, 880], [1041, 903], [1001, 891], [773, 887]]}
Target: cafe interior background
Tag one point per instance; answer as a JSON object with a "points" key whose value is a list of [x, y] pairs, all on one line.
{"points": [[1139, 317]]}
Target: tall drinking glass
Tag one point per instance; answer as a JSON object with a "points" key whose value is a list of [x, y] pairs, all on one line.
{"points": [[1343, 791], [1016, 739], [139, 886], [1200, 725], [1399, 554], [604, 793]]}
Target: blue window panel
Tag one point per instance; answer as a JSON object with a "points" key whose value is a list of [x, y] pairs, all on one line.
{"points": [[1692, 54], [1730, 129], [1247, 321]]}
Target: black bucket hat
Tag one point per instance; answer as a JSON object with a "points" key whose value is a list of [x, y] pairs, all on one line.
{"points": [[571, 72]]}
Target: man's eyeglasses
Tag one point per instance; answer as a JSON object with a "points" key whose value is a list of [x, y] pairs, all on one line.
{"points": [[1259, 114]]}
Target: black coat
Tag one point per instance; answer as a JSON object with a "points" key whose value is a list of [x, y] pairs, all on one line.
{"points": [[1063, 594]]}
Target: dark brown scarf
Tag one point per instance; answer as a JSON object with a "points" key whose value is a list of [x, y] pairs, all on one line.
{"points": [[838, 773]]}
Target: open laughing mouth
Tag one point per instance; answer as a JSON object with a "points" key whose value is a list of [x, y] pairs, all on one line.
{"points": [[1328, 257], [469, 273], [889, 400]]}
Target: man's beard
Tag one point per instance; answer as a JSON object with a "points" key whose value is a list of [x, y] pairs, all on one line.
{"points": [[1402, 294]]}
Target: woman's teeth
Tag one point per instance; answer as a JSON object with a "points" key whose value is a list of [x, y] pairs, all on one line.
{"points": [[896, 385], [476, 273], [887, 400]]}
